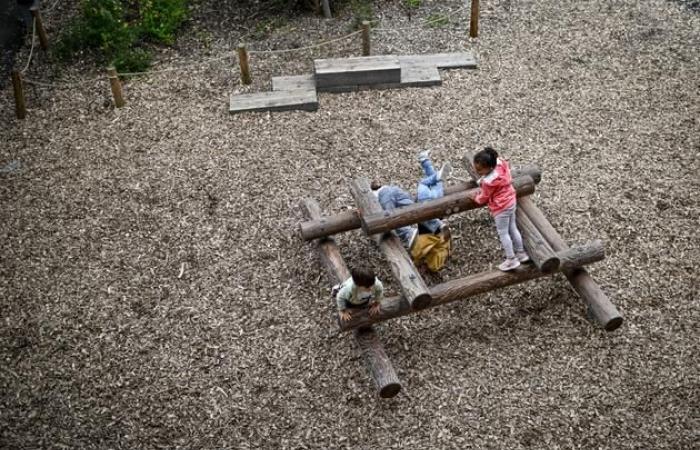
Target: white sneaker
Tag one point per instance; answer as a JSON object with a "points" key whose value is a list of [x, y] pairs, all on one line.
{"points": [[445, 171], [509, 264], [522, 256], [412, 238], [423, 155], [334, 290]]}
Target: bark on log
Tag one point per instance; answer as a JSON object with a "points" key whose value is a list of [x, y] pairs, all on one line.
{"points": [[350, 220], [537, 247], [480, 283], [378, 363], [384, 221], [600, 306], [411, 283]]}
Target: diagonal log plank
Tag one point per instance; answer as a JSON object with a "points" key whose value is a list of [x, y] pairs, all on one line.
{"points": [[600, 305], [411, 283], [380, 368], [480, 283], [350, 220]]}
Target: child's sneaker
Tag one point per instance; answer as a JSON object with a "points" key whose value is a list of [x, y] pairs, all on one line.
{"points": [[522, 256], [423, 155], [412, 239], [445, 171], [509, 264], [334, 290]]}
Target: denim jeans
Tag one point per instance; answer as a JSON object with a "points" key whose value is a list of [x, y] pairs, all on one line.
{"points": [[508, 232], [429, 188], [391, 197]]}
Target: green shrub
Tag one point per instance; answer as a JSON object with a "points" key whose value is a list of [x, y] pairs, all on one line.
{"points": [[117, 29]]}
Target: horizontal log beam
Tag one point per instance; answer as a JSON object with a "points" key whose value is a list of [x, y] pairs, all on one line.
{"points": [[384, 221], [378, 363], [405, 273], [600, 305], [537, 247], [480, 283], [350, 220]]}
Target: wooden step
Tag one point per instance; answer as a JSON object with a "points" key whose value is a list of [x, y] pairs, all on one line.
{"points": [[357, 71], [294, 83], [463, 60], [274, 101], [412, 75]]}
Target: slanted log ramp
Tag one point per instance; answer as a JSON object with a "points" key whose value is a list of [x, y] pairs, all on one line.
{"points": [[548, 251]]}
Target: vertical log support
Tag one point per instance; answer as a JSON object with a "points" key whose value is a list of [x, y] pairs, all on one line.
{"points": [[378, 363], [116, 86], [474, 22], [41, 31], [365, 38], [326, 9], [18, 89], [412, 285], [243, 63], [600, 306]]}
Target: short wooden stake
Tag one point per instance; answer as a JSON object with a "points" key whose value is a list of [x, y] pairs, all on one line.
{"points": [[243, 63], [326, 9], [43, 39], [116, 87], [365, 38], [20, 109], [474, 23]]}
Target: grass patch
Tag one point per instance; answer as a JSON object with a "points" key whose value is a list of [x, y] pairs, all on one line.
{"points": [[437, 21], [412, 4]]}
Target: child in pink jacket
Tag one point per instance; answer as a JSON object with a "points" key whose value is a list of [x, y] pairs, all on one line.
{"points": [[498, 192]]}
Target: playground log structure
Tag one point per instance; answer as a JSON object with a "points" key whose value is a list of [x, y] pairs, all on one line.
{"points": [[548, 251]]}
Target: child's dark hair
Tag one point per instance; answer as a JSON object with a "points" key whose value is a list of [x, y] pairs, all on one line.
{"points": [[363, 276], [375, 185], [488, 157]]}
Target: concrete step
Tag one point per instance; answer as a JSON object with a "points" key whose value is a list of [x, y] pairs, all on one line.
{"points": [[294, 83], [274, 101], [356, 71]]}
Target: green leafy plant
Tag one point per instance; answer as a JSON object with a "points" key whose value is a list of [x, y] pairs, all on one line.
{"points": [[412, 4], [116, 30]]}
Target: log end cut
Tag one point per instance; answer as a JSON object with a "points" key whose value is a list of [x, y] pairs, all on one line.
{"points": [[422, 301], [390, 390]]}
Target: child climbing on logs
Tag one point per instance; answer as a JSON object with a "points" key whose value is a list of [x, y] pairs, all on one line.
{"points": [[361, 290], [496, 190]]}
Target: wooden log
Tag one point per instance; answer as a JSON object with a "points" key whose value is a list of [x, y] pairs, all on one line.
{"points": [[18, 89], [600, 305], [378, 363], [472, 285], [41, 31], [365, 38], [537, 247], [243, 64], [411, 283], [384, 221], [116, 86], [474, 21]]}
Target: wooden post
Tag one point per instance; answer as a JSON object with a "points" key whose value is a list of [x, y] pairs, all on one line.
{"points": [[243, 63], [537, 247], [326, 9], [116, 87], [43, 39], [350, 220], [472, 285], [600, 305], [474, 23], [411, 283], [365, 38], [18, 88], [378, 363]]}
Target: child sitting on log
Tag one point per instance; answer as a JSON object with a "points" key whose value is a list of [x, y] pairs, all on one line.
{"points": [[496, 190], [361, 290]]}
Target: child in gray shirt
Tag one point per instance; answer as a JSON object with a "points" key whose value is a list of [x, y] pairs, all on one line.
{"points": [[362, 289]]}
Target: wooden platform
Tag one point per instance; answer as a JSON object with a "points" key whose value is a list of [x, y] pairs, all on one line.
{"points": [[294, 83], [357, 71], [275, 101], [463, 60]]}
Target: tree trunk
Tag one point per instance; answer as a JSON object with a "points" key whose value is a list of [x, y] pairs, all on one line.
{"points": [[384, 221], [412, 285], [600, 306], [378, 363], [476, 284]]}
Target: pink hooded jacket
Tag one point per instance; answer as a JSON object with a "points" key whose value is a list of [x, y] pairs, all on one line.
{"points": [[496, 189]]}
